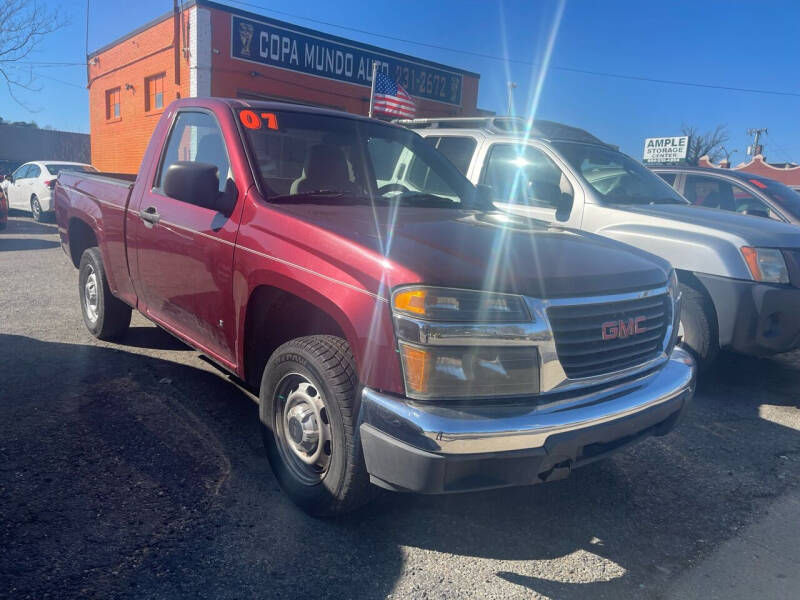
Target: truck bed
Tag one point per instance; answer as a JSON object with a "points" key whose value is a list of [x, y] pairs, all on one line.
{"points": [[101, 201]]}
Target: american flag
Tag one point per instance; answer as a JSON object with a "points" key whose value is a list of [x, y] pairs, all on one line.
{"points": [[392, 99]]}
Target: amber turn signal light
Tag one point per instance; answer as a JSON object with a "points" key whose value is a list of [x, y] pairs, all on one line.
{"points": [[416, 365], [411, 301]]}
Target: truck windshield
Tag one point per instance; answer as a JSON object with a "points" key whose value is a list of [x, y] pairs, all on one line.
{"points": [[316, 158], [617, 178]]}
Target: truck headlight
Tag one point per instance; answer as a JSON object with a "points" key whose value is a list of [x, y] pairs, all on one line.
{"points": [[766, 264], [441, 370], [449, 304]]}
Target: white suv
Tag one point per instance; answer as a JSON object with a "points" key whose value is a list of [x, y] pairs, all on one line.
{"points": [[31, 186]]}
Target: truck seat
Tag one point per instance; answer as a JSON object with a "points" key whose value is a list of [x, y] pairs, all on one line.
{"points": [[325, 169]]}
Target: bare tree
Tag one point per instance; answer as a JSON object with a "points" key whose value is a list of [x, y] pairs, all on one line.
{"points": [[23, 25], [709, 143]]}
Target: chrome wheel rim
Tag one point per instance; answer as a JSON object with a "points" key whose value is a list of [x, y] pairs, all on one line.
{"points": [[36, 208], [304, 435], [90, 299]]}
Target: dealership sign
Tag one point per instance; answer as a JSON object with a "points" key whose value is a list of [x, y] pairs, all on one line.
{"points": [[665, 149], [284, 46]]}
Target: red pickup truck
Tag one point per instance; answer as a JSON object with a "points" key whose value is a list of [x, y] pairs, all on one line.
{"points": [[398, 330]]}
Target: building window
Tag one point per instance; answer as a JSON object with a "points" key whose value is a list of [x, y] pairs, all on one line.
{"points": [[112, 104], [154, 92]]}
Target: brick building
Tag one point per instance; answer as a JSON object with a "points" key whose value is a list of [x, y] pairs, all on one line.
{"points": [[208, 49]]}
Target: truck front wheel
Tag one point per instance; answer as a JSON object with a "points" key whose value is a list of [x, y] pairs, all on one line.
{"points": [[106, 316], [309, 413], [698, 325]]}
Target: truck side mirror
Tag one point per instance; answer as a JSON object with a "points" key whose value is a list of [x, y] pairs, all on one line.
{"points": [[193, 182], [757, 211], [564, 207]]}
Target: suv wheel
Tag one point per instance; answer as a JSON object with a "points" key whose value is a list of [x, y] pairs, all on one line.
{"points": [[698, 326], [106, 316], [309, 415]]}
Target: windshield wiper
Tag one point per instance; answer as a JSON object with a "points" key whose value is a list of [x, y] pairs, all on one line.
{"points": [[427, 200], [319, 195]]}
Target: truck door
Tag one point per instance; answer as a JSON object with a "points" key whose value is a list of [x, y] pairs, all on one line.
{"points": [[184, 252]]}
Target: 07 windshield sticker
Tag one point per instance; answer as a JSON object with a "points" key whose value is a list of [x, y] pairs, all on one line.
{"points": [[253, 120]]}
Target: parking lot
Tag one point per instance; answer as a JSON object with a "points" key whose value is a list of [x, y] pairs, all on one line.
{"points": [[136, 470]]}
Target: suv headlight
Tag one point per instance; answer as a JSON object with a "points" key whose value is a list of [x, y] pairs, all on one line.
{"points": [[440, 370], [766, 264]]}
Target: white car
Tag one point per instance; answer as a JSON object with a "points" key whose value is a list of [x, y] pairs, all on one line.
{"points": [[31, 186]]}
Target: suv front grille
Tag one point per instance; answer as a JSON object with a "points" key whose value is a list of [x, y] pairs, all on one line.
{"points": [[578, 333]]}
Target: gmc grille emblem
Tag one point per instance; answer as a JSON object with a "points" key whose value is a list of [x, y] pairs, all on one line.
{"points": [[622, 329]]}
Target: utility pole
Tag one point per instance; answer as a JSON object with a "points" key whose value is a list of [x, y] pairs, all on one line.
{"points": [[756, 133], [511, 87]]}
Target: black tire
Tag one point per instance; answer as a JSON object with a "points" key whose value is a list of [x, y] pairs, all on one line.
{"points": [[36, 209], [327, 363], [108, 317], [699, 322]]}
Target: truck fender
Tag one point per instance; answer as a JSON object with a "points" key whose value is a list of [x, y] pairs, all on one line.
{"points": [[361, 318]]}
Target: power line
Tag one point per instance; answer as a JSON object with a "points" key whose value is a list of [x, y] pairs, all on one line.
{"points": [[520, 61], [48, 64], [75, 85], [780, 148]]}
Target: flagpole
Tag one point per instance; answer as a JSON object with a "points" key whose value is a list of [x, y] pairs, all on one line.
{"points": [[372, 89]]}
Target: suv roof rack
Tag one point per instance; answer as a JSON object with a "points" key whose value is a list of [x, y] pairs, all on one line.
{"points": [[499, 125]]}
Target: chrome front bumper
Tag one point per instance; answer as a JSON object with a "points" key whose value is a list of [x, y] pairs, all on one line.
{"points": [[443, 447]]}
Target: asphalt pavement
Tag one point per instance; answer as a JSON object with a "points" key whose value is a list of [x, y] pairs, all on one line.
{"points": [[136, 470]]}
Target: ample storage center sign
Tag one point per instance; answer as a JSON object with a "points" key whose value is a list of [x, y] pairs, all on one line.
{"points": [[665, 149], [313, 53]]}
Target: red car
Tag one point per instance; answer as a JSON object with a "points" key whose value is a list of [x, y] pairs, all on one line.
{"points": [[399, 331]]}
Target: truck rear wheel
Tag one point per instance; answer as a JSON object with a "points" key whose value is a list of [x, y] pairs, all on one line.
{"points": [[309, 413], [698, 324], [106, 316]]}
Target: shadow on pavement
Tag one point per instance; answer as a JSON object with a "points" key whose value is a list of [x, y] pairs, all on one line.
{"points": [[132, 476], [10, 244], [17, 225], [153, 338]]}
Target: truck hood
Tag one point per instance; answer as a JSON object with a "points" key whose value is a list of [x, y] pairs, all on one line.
{"points": [[485, 250], [750, 230]]}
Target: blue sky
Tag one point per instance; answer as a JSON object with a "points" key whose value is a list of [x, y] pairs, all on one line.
{"points": [[738, 44]]}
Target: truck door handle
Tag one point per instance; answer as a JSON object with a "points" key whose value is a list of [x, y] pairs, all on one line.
{"points": [[150, 216]]}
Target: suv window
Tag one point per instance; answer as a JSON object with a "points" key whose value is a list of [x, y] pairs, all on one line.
{"points": [[458, 150], [719, 193], [196, 137], [668, 177], [524, 175]]}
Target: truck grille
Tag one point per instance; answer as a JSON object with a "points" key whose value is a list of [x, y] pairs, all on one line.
{"points": [[578, 333]]}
